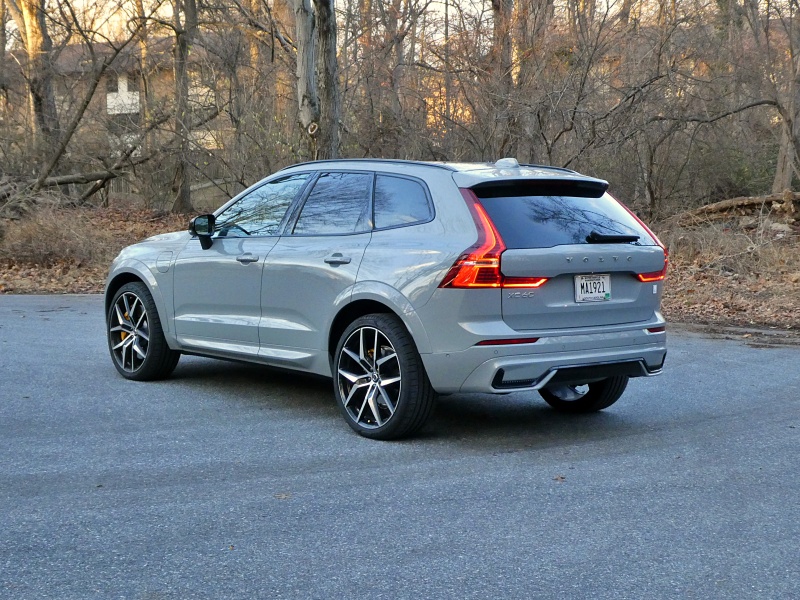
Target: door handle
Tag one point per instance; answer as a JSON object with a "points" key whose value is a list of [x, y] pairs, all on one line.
{"points": [[247, 258], [337, 259]]}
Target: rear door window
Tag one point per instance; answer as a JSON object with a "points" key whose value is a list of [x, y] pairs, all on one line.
{"points": [[400, 201], [542, 216], [339, 203]]}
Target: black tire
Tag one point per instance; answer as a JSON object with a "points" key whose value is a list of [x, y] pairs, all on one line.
{"points": [[135, 336], [379, 380], [586, 398]]}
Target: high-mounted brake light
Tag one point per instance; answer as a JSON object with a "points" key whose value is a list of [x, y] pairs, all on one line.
{"points": [[479, 265], [654, 275]]}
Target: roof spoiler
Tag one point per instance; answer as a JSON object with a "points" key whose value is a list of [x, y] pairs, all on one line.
{"points": [[581, 188]]}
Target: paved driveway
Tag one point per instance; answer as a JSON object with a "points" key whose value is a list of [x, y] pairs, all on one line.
{"points": [[234, 481]]}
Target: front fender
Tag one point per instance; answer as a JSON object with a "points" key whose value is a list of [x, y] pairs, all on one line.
{"points": [[127, 269]]}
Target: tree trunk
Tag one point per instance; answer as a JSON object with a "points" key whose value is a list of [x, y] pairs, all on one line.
{"points": [[501, 78], [533, 19], [625, 12], [29, 16], [307, 91], [318, 76], [144, 73], [3, 41], [185, 30], [328, 73], [784, 169]]}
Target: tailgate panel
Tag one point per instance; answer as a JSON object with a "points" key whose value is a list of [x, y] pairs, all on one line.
{"points": [[553, 305]]}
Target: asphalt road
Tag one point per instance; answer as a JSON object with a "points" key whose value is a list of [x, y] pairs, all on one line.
{"points": [[235, 481]]}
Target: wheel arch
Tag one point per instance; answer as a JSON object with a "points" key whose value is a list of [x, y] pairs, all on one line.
{"points": [[117, 282], [368, 304], [135, 271], [349, 313]]}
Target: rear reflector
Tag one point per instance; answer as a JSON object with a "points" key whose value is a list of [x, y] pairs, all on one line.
{"points": [[507, 342], [661, 329]]}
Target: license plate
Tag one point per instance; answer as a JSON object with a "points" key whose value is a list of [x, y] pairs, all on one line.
{"points": [[592, 288]]}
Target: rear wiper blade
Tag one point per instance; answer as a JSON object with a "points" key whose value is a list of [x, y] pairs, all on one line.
{"points": [[610, 238]]}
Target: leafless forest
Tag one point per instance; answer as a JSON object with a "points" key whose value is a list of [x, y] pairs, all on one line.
{"points": [[174, 102]]}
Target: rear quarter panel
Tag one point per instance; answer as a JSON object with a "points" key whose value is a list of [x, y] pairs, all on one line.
{"points": [[402, 267]]}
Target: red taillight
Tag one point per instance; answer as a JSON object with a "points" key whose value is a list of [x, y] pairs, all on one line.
{"points": [[506, 342], [479, 265], [523, 282], [655, 275]]}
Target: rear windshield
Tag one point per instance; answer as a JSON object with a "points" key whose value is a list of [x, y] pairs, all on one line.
{"points": [[537, 218]]}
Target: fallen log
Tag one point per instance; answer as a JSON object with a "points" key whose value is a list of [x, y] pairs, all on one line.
{"points": [[13, 187], [720, 209]]}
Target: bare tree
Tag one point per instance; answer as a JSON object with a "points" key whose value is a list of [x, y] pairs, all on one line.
{"points": [[31, 19], [317, 75], [678, 103], [185, 28], [3, 44]]}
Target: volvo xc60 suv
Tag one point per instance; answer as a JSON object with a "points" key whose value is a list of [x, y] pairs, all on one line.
{"points": [[402, 280]]}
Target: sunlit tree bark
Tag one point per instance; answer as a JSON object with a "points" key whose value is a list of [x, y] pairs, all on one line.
{"points": [[185, 29], [317, 76], [502, 79], [30, 18]]}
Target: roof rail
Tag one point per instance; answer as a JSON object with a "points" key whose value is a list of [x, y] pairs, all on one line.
{"points": [[372, 160], [564, 169]]}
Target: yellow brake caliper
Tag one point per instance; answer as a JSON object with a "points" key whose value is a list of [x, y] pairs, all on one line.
{"points": [[124, 334]]}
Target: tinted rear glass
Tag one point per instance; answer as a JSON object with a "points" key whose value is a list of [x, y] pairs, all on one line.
{"points": [[527, 218], [399, 201]]}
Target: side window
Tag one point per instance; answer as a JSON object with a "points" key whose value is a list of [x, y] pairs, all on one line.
{"points": [[339, 203], [400, 201], [261, 211]]}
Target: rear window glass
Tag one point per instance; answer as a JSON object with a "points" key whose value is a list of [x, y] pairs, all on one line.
{"points": [[527, 220]]}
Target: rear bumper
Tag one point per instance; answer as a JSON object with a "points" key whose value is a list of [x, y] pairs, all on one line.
{"points": [[562, 358]]}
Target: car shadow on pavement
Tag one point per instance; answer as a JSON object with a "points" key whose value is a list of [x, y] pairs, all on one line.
{"points": [[520, 420], [250, 381]]}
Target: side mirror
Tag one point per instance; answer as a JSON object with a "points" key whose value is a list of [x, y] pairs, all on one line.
{"points": [[203, 227]]}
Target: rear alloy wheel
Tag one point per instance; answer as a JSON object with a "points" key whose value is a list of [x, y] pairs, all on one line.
{"points": [[589, 397], [135, 337], [380, 382]]}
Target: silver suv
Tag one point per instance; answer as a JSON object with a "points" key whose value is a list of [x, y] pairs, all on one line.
{"points": [[403, 280]]}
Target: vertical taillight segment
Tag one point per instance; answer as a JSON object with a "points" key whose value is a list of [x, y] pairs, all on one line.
{"points": [[655, 275], [479, 265]]}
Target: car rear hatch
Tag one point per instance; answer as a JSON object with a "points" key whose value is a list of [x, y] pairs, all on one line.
{"points": [[602, 265]]}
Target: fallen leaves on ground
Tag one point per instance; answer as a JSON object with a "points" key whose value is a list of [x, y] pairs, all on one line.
{"points": [[709, 281], [120, 228]]}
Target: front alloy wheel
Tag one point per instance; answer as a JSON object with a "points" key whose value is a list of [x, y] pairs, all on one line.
{"points": [[379, 380], [135, 337], [132, 329]]}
